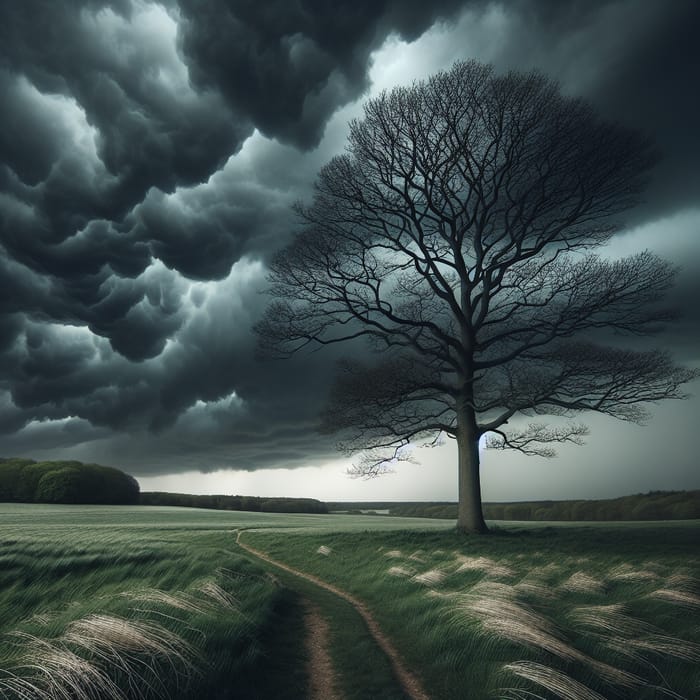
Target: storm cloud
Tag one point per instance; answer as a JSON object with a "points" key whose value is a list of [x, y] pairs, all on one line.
{"points": [[150, 155]]}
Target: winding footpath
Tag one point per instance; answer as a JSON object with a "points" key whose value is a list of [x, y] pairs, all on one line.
{"points": [[322, 682], [408, 680]]}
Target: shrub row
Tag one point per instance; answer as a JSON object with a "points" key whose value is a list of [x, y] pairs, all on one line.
{"points": [[27, 481]]}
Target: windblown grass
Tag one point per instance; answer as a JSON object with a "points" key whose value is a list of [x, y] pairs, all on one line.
{"points": [[47, 671], [541, 612], [581, 582], [673, 595], [126, 611], [553, 681], [101, 656], [549, 613], [432, 577], [502, 615], [488, 566]]}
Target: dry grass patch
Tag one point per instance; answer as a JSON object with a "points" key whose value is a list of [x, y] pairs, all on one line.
{"points": [[533, 589], [627, 572], [677, 597], [433, 577], [48, 672], [77, 666], [581, 582], [609, 619], [400, 571], [491, 567], [111, 637], [80, 665], [502, 615], [664, 645], [180, 601], [495, 605], [559, 684], [213, 590]]}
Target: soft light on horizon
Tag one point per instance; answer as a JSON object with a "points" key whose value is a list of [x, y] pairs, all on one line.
{"points": [[598, 469]]}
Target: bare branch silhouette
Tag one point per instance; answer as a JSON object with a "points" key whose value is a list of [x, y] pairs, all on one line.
{"points": [[456, 237]]}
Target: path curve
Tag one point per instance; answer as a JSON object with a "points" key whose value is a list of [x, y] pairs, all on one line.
{"points": [[408, 680]]}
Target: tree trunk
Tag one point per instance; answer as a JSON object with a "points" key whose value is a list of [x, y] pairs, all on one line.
{"points": [[470, 517]]}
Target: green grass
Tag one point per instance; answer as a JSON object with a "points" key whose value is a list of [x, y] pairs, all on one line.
{"points": [[362, 668], [160, 602], [154, 602], [146, 602], [526, 611]]}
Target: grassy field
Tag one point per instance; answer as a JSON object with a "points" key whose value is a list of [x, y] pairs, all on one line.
{"points": [[153, 602], [141, 602], [529, 612], [110, 602]]}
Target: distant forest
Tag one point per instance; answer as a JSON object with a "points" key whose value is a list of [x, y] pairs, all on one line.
{"points": [[655, 505], [27, 481], [220, 502]]}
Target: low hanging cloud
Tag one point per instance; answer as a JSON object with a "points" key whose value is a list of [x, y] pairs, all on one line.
{"points": [[150, 153]]}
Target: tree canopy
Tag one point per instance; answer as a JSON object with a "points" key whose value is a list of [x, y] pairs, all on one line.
{"points": [[456, 236], [27, 481]]}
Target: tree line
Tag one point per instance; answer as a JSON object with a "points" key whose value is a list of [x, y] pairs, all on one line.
{"points": [[27, 481], [221, 502], [655, 505]]}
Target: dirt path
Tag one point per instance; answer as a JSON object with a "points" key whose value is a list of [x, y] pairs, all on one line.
{"points": [[322, 683], [409, 682]]}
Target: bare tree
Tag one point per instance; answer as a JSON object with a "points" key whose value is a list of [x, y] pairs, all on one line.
{"points": [[455, 235]]}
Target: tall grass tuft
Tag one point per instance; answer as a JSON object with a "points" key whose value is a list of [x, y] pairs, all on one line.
{"points": [[177, 600], [218, 595], [581, 582], [678, 597], [433, 577], [503, 616], [50, 671], [627, 572], [107, 636], [610, 619], [491, 567], [559, 684], [665, 645]]}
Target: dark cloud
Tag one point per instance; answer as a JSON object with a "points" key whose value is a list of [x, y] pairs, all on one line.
{"points": [[290, 64], [653, 89], [111, 106], [115, 63], [638, 63], [149, 156]]}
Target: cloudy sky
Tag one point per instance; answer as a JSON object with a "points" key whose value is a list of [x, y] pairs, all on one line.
{"points": [[149, 155]]}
